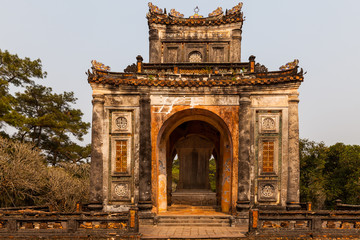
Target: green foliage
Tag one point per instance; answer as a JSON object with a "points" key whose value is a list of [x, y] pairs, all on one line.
{"points": [[313, 157], [47, 120], [343, 172], [212, 174], [40, 116], [175, 174], [329, 173], [18, 71]]}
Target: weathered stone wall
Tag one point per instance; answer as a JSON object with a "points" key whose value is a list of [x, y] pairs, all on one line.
{"points": [[249, 117], [80, 225], [304, 224], [176, 43]]}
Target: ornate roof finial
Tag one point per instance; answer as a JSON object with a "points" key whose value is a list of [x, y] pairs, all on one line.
{"points": [[99, 66], [154, 9], [196, 11], [216, 12], [235, 9], [175, 13], [290, 65]]}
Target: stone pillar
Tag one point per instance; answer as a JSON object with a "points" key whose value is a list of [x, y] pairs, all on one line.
{"points": [[155, 46], [96, 169], [235, 46], [293, 191], [145, 154], [243, 202]]}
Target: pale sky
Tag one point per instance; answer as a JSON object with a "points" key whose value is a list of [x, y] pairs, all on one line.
{"points": [[323, 34]]}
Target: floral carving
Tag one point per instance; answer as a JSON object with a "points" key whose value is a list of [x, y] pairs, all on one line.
{"points": [[175, 13], [121, 123], [121, 190], [216, 12], [290, 65], [267, 191], [99, 66], [268, 124]]}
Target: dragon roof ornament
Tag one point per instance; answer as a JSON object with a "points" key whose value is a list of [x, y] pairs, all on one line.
{"points": [[175, 13], [216, 12], [99, 66], [235, 9], [290, 65], [154, 9]]}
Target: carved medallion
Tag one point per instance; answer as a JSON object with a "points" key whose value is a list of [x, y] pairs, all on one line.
{"points": [[121, 190], [121, 123], [268, 191], [268, 124]]}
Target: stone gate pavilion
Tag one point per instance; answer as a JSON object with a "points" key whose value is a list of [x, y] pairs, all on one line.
{"points": [[194, 100]]}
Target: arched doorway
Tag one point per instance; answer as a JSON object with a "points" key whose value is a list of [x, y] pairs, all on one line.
{"points": [[194, 135]]}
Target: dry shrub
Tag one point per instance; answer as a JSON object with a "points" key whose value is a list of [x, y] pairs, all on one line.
{"points": [[26, 180], [67, 184], [23, 174]]}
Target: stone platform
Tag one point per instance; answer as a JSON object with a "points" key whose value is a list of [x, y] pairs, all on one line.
{"points": [[194, 197], [186, 232]]}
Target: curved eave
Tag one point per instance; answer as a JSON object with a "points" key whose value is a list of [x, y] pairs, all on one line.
{"points": [[131, 81]]}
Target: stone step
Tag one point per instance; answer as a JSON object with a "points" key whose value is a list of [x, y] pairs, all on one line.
{"points": [[196, 224], [194, 221], [193, 207], [193, 217]]}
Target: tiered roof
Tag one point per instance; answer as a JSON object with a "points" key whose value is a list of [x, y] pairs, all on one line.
{"points": [[196, 75], [202, 74]]}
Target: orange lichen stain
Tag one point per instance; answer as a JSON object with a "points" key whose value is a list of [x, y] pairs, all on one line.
{"points": [[229, 115], [255, 215]]}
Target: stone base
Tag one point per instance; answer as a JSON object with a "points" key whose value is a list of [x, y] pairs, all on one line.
{"points": [[95, 206], [195, 197], [293, 206], [145, 205]]}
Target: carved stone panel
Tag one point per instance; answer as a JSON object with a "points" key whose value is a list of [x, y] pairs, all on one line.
{"points": [[120, 191], [268, 123], [267, 191], [121, 122]]}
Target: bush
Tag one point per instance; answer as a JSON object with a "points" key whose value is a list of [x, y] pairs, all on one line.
{"points": [[23, 174], [26, 180]]}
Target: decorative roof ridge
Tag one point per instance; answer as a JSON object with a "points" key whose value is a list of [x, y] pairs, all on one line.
{"points": [[192, 83], [217, 17], [190, 80]]}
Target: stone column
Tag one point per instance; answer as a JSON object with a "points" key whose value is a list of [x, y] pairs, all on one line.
{"points": [[293, 191], [154, 46], [145, 154], [243, 202], [235, 46], [96, 169]]}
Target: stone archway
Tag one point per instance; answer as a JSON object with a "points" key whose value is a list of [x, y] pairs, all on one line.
{"points": [[195, 134]]}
